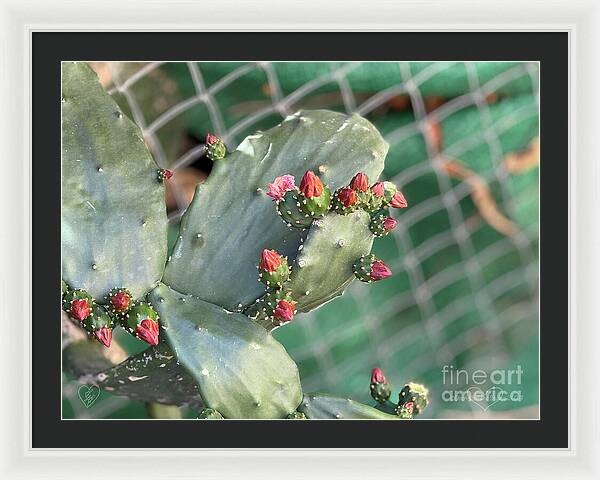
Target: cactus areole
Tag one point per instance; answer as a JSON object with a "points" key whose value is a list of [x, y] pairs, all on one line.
{"points": [[202, 310]]}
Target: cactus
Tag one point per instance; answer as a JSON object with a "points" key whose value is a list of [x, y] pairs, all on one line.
{"points": [[203, 311], [210, 414], [114, 222], [241, 370], [380, 387], [224, 226], [325, 407]]}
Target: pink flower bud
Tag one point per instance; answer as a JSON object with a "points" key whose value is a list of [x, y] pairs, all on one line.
{"points": [[270, 260], [379, 271], [80, 309], [284, 311], [104, 335], [377, 376], [281, 185], [378, 189], [211, 139], [398, 201], [389, 224], [147, 331], [311, 185], [347, 196], [120, 301], [360, 182]]}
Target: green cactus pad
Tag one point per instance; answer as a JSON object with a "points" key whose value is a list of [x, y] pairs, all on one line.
{"points": [[381, 391], [99, 318], [263, 309], [323, 268], [276, 278], [114, 222], [241, 370], [210, 414], [362, 267], [415, 393], [376, 226], [317, 406], [152, 376], [369, 202], [136, 314], [233, 215], [290, 213], [216, 151], [77, 294], [315, 206], [338, 207]]}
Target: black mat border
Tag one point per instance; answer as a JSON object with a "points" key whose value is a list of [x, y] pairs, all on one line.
{"points": [[550, 48]]}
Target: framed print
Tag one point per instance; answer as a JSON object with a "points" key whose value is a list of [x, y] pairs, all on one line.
{"points": [[324, 246]]}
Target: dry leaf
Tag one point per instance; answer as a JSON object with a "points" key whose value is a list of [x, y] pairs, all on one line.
{"points": [[482, 197]]}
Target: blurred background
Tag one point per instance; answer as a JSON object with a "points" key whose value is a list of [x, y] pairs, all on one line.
{"points": [[464, 149]]}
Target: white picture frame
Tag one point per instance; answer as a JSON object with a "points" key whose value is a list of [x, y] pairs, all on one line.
{"points": [[18, 20]]}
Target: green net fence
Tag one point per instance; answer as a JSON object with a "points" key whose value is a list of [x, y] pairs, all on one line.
{"points": [[465, 254]]}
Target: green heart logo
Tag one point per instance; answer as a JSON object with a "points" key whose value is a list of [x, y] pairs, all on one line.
{"points": [[88, 394]]}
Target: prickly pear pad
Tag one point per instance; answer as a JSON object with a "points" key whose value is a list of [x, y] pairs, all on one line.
{"points": [[241, 370], [317, 406], [114, 222], [234, 215], [323, 268]]}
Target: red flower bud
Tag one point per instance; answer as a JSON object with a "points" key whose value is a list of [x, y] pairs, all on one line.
{"points": [[378, 189], [167, 173], [347, 196], [211, 139], [379, 271], [311, 185], [120, 301], [80, 309], [360, 182], [389, 224], [377, 376], [398, 201], [270, 260], [284, 311], [409, 406], [104, 334], [147, 331]]}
